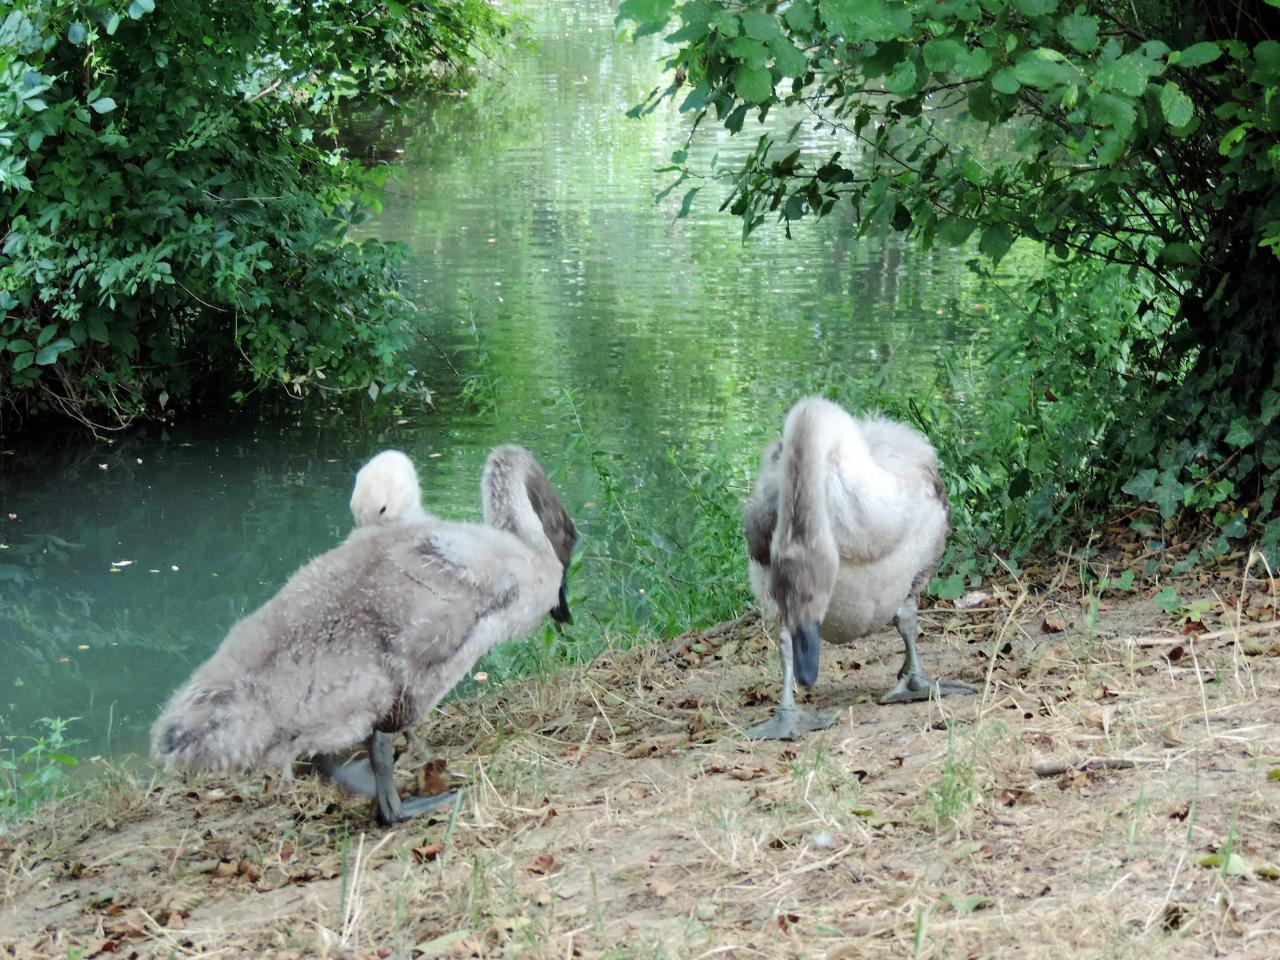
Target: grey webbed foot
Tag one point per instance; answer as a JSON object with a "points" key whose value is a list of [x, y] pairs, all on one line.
{"points": [[920, 686], [352, 775], [410, 807], [786, 723], [388, 807]]}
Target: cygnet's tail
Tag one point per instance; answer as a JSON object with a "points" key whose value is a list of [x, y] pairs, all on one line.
{"points": [[211, 725]]}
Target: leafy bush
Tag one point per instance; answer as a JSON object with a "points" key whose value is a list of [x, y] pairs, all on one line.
{"points": [[1139, 135], [172, 225]]}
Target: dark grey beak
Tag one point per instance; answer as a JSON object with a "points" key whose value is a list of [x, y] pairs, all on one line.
{"points": [[804, 652], [560, 612]]}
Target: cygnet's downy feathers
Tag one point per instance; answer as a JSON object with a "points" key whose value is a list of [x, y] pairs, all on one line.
{"points": [[371, 635]]}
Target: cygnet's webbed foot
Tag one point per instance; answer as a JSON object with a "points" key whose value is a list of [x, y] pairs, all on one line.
{"points": [[410, 807], [920, 686], [787, 723], [354, 775]]}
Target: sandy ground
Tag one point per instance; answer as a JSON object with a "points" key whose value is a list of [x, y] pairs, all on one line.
{"points": [[1114, 791]]}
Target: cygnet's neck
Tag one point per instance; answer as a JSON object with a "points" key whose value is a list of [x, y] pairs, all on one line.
{"points": [[821, 439], [508, 491]]}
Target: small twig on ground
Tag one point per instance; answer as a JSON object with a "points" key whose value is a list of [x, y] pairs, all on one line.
{"points": [[1244, 628], [1055, 768], [583, 746]]}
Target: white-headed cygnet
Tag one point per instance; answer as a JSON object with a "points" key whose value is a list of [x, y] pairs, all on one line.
{"points": [[366, 639], [845, 526], [387, 491]]}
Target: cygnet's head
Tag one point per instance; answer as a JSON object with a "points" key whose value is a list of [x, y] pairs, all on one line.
{"points": [[387, 491]]}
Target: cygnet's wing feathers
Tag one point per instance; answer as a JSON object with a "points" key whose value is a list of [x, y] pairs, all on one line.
{"points": [[371, 634]]}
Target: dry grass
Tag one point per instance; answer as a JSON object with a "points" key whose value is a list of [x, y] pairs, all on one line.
{"points": [[617, 811]]}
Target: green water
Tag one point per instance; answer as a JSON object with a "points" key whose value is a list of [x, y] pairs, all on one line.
{"points": [[564, 310]]}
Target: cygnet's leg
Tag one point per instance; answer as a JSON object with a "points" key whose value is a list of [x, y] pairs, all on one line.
{"points": [[354, 775], [387, 803], [913, 682], [788, 720]]}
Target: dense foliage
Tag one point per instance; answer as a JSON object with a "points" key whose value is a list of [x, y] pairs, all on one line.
{"points": [[1137, 136], [174, 209]]}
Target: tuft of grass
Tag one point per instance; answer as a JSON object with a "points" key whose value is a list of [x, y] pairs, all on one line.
{"points": [[951, 797]]}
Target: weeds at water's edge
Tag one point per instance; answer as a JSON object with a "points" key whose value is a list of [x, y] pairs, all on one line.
{"points": [[34, 774]]}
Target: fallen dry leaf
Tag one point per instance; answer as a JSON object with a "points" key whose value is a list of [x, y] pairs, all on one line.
{"points": [[543, 863], [1053, 624], [427, 853], [655, 746], [662, 888], [130, 923], [433, 778]]}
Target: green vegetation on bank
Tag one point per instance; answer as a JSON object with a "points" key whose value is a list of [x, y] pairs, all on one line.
{"points": [[31, 767], [174, 206], [1135, 142]]}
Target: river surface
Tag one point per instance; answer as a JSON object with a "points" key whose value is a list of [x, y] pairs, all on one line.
{"points": [[564, 309]]}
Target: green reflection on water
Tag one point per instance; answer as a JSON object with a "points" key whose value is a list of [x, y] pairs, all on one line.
{"points": [[636, 354]]}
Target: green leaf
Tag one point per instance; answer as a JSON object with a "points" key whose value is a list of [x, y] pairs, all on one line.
{"points": [[951, 588], [50, 353], [1043, 68], [140, 8], [23, 360], [971, 64], [996, 241], [940, 55], [1239, 435], [1179, 254], [46, 334], [1128, 75], [76, 33], [1176, 106], [726, 23], [19, 346], [760, 25], [1079, 31], [753, 84], [1234, 136], [687, 202], [788, 58], [799, 16], [1168, 600], [1112, 110], [103, 105], [860, 20], [1006, 81], [1035, 8], [902, 81], [1196, 55], [750, 52], [111, 24], [649, 16], [1142, 486]]}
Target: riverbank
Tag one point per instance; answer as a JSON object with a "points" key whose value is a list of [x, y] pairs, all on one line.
{"points": [[1112, 792]]}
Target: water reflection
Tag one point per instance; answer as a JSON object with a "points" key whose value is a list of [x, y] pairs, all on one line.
{"points": [[582, 319]]}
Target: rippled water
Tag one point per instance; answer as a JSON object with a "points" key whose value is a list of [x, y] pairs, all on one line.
{"points": [[564, 310]]}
